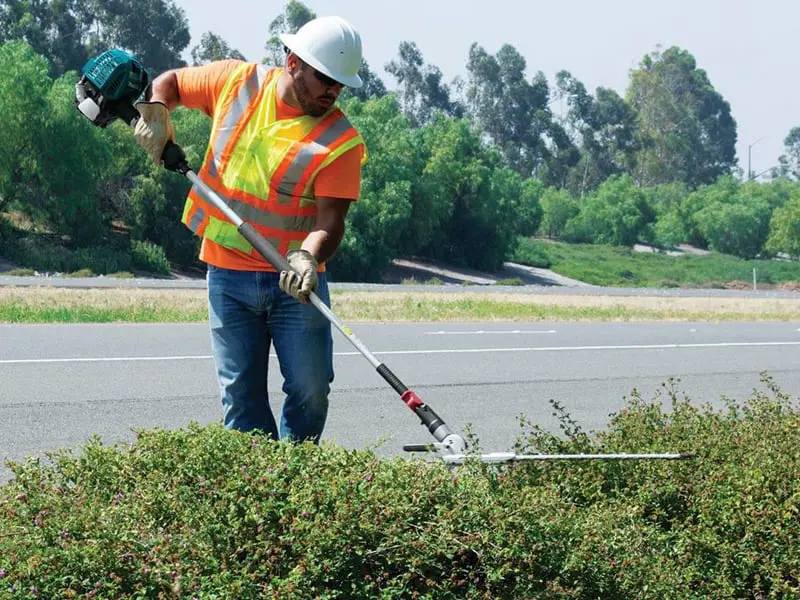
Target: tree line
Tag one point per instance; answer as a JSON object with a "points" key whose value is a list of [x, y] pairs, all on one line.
{"points": [[457, 170]]}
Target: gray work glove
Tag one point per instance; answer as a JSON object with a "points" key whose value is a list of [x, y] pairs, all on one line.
{"points": [[154, 129], [302, 279]]}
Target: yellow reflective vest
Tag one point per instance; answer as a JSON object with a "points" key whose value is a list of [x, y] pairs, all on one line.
{"points": [[264, 168]]}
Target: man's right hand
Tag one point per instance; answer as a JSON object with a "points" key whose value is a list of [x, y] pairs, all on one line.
{"points": [[301, 279], [154, 129]]}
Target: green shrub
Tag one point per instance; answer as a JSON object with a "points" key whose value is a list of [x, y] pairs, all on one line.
{"points": [[616, 214], [510, 281], [784, 227], [81, 273], [735, 229], [6, 232], [208, 513], [100, 260], [150, 257], [667, 283], [49, 257], [533, 253]]}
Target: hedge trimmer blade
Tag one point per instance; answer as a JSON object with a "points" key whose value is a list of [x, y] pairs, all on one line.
{"points": [[510, 457], [456, 458]]}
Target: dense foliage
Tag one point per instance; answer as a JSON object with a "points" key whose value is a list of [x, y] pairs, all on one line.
{"points": [[457, 172], [209, 513]]}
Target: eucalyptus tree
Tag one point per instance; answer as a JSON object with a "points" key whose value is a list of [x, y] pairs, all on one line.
{"points": [[212, 48], [421, 89], [685, 130], [603, 126], [515, 114], [790, 159], [68, 32]]}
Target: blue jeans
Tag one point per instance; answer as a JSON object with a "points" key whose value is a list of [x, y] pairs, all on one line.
{"points": [[247, 313]]}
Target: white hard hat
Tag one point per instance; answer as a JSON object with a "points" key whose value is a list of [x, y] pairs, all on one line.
{"points": [[331, 45]]}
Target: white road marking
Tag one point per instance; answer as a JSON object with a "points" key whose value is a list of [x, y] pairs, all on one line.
{"points": [[433, 351], [27, 361], [580, 348], [491, 332]]}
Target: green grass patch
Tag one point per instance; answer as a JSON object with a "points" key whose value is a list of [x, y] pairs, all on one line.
{"points": [[411, 308], [208, 513], [80, 273], [20, 273], [511, 281], [622, 267], [17, 313], [64, 305]]}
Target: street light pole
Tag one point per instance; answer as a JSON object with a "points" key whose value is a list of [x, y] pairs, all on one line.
{"points": [[749, 158], [757, 175]]}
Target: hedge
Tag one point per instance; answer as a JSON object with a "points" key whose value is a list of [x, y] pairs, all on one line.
{"points": [[208, 513]]}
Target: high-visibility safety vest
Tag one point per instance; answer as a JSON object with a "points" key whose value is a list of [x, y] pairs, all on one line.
{"points": [[264, 169]]}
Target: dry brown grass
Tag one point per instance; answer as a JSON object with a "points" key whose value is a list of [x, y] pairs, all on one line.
{"points": [[424, 306], [42, 297], [575, 307]]}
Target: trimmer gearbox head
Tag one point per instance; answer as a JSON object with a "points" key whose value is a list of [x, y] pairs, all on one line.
{"points": [[109, 86]]}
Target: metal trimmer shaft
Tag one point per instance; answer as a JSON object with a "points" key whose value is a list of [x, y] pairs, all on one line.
{"points": [[437, 427]]}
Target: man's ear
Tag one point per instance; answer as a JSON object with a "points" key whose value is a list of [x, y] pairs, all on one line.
{"points": [[292, 63]]}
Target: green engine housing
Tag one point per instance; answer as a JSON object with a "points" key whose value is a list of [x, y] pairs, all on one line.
{"points": [[117, 75]]}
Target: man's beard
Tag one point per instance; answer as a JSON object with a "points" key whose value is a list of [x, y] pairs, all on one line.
{"points": [[306, 102]]}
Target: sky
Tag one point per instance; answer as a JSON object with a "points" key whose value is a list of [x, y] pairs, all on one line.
{"points": [[747, 48]]}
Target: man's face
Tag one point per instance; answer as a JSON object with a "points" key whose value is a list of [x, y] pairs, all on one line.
{"points": [[315, 92]]}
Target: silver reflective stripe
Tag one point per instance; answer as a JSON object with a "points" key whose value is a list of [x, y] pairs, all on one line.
{"points": [[198, 216], [296, 170], [307, 153], [332, 133], [246, 94], [283, 197], [251, 214], [212, 166]]}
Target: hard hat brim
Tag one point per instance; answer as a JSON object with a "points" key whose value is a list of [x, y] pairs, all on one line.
{"points": [[290, 41]]}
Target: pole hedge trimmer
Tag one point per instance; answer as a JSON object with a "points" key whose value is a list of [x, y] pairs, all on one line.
{"points": [[109, 86]]}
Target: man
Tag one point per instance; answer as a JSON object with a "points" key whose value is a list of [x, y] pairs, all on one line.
{"points": [[287, 160]]}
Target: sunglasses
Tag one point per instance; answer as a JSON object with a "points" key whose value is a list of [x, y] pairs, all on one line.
{"points": [[324, 79]]}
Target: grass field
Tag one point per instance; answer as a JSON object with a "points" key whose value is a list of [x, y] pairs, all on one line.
{"points": [[623, 267]]}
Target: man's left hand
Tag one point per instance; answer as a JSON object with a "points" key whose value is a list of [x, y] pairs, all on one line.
{"points": [[153, 129], [302, 279]]}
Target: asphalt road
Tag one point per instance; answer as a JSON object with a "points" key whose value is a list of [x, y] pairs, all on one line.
{"points": [[59, 384], [453, 288]]}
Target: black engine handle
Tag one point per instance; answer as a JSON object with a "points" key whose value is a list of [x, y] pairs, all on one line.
{"points": [[173, 157]]}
